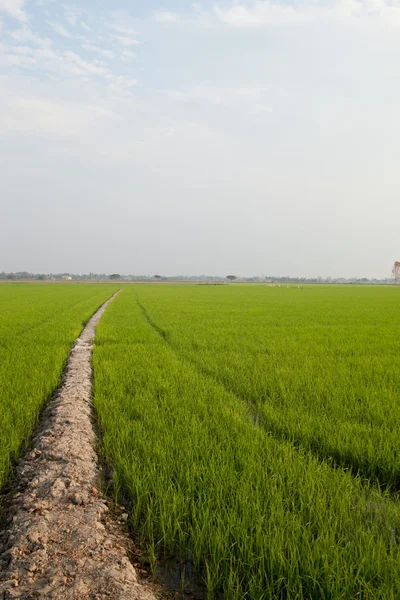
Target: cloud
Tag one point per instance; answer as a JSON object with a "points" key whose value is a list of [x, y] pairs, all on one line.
{"points": [[103, 52], [122, 85], [45, 59], [167, 17], [73, 14], [196, 17], [14, 8], [128, 55], [84, 59], [21, 59], [41, 113], [87, 67], [251, 99], [44, 2], [85, 26], [60, 29], [258, 14], [24, 35], [253, 14], [125, 40], [119, 25], [122, 33]]}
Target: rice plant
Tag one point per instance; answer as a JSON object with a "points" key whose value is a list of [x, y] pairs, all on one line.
{"points": [[261, 513], [38, 325]]}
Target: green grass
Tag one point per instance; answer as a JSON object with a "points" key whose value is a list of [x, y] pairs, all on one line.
{"points": [[318, 365], [38, 324], [211, 402]]}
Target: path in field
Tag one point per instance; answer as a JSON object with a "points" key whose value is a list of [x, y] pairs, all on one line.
{"points": [[61, 542]]}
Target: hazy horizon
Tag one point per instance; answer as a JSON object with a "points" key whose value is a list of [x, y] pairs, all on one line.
{"points": [[245, 137], [238, 276]]}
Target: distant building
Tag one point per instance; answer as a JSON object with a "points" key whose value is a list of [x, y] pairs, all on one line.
{"points": [[396, 273]]}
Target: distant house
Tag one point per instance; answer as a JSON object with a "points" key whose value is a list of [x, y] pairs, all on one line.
{"points": [[66, 278]]}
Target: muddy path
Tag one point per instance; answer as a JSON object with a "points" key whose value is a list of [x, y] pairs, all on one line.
{"points": [[61, 541]]}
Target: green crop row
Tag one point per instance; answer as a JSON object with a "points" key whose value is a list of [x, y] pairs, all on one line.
{"points": [[38, 325], [261, 518], [318, 365]]}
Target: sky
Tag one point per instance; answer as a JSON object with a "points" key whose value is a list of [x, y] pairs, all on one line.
{"points": [[254, 137]]}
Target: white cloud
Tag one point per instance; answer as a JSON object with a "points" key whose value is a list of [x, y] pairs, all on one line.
{"points": [[60, 29], [167, 17], [128, 55], [87, 67], [250, 99], [73, 14], [103, 52], [44, 2], [15, 8], [121, 85], [85, 26], [121, 30], [121, 26], [21, 60], [198, 17], [258, 14], [45, 59], [24, 35], [125, 40], [386, 12], [252, 14], [21, 111]]}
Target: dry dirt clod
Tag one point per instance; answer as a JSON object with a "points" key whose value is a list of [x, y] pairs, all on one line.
{"points": [[57, 544]]}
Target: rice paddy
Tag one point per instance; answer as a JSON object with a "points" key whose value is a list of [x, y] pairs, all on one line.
{"points": [[38, 325], [251, 430], [254, 431]]}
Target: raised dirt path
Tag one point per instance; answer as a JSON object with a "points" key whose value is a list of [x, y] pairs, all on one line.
{"points": [[61, 542]]}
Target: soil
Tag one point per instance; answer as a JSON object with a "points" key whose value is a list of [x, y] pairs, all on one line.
{"points": [[61, 540]]}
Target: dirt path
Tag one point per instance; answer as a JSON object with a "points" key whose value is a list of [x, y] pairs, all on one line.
{"points": [[61, 541]]}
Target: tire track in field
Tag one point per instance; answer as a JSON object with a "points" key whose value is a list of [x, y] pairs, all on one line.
{"points": [[320, 450], [61, 542]]}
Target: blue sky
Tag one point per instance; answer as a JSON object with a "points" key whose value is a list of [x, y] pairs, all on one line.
{"points": [[245, 136]]}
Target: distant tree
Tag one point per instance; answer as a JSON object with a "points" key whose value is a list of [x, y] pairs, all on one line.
{"points": [[115, 276], [231, 277], [157, 276]]}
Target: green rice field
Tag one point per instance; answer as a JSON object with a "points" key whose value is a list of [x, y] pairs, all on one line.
{"points": [[252, 430], [38, 325], [255, 430]]}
